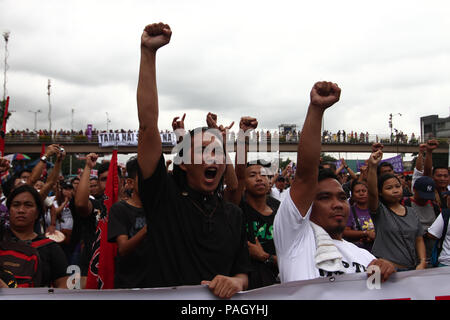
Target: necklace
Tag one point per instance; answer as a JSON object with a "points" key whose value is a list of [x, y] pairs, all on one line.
{"points": [[208, 221]]}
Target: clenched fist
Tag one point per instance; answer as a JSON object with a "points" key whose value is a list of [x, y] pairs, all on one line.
{"points": [[155, 36], [324, 94]]}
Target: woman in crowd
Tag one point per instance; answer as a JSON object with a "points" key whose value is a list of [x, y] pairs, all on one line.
{"points": [[25, 207], [360, 229], [399, 232]]}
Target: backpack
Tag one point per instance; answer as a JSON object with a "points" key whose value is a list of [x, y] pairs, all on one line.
{"points": [[437, 248], [22, 260]]}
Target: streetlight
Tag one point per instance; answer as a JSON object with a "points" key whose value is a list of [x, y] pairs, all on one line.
{"points": [[35, 117], [390, 121], [107, 121]]}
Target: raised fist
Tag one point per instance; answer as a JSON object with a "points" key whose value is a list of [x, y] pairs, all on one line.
{"points": [[91, 160], [155, 36], [377, 146], [178, 124], [248, 123], [324, 94], [423, 147], [431, 145], [4, 165], [211, 121], [375, 158]]}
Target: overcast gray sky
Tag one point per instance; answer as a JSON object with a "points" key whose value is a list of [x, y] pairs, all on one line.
{"points": [[233, 58]]}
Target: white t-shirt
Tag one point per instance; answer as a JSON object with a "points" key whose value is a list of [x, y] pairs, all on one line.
{"points": [[66, 216], [436, 230], [296, 246], [275, 193]]}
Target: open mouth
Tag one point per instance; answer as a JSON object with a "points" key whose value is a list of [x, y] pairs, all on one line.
{"points": [[210, 173]]}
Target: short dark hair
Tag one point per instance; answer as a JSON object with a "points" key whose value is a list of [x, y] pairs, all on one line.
{"points": [[132, 168], [105, 167], [384, 164], [27, 188], [259, 162], [383, 178], [74, 179], [331, 164], [439, 167], [326, 174], [356, 182]]}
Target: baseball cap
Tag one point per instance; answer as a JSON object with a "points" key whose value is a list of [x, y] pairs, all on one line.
{"points": [[66, 185], [425, 187]]}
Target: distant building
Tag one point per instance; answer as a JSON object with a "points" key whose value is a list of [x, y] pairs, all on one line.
{"points": [[434, 127]]}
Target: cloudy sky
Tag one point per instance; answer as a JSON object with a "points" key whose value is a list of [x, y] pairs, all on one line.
{"points": [[233, 58]]}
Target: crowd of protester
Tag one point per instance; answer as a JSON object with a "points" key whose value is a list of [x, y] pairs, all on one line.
{"points": [[229, 227]]}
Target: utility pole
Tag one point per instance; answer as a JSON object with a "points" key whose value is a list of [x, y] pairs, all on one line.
{"points": [[35, 118], [6, 67], [73, 112], [108, 121], [49, 108]]}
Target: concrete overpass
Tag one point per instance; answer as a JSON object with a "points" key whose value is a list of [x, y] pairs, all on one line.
{"points": [[71, 147]]}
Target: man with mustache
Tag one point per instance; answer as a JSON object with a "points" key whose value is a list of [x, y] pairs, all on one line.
{"points": [[310, 222]]}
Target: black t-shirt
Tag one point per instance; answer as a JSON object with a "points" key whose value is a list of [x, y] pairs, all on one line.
{"points": [[261, 227], [124, 219], [186, 246], [84, 231], [52, 259]]}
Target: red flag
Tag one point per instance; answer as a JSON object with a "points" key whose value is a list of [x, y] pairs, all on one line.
{"points": [[102, 265], [3, 131], [42, 149]]}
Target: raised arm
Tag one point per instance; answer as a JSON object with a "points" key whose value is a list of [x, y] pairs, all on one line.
{"points": [[54, 175], [38, 168], [303, 189], [428, 166], [245, 125], [149, 146], [419, 160], [82, 203], [372, 179]]}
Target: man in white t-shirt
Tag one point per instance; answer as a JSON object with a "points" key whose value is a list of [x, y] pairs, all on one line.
{"points": [[313, 209]]}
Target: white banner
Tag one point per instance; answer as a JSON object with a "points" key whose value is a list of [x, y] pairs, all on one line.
{"points": [[131, 139], [430, 284]]}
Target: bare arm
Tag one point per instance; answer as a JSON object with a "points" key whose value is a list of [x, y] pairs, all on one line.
{"points": [[421, 253], [53, 176], [37, 170], [82, 204], [245, 125], [428, 167], [149, 145], [303, 189], [419, 160], [127, 245], [372, 179]]}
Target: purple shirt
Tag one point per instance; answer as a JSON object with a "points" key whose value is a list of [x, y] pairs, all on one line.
{"points": [[365, 221]]}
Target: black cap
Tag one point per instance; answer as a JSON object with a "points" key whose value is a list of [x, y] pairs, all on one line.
{"points": [[425, 187]]}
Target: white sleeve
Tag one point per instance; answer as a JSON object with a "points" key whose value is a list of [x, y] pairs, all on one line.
{"points": [[289, 226], [416, 175], [437, 227]]}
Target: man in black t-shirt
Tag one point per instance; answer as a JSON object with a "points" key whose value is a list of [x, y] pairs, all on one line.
{"points": [[195, 237], [127, 227], [259, 211], [87, 213]]}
